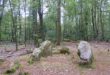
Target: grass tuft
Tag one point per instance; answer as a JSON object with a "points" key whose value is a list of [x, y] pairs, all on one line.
{"points": [[89, 64]]}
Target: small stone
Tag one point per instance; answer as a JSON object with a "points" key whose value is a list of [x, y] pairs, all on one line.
{"points": [[90, 69], [2, 58], [66, 70]]}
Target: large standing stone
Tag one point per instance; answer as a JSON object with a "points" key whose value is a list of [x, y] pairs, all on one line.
{"points": [[85, 52], [46, 48]]}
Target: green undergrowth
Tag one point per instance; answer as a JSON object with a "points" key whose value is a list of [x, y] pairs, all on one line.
{"points": [[89, 64], [63, 50], [23, 73], [67, 40], [1, 63], [86, 66], [78, 53]]}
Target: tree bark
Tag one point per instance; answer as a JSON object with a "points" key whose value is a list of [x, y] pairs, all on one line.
{"points": [[101, 23], [19, 22], [94, 22], [1, 15], [35, 30], [59, 23], [40, 12], [14, 25], [25, 23]]}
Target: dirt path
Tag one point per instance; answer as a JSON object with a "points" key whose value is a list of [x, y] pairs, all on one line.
{"points": [[9, 50], [66, 65]]}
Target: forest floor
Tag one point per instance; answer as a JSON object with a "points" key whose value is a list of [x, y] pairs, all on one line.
{"points": [[59, 64]]}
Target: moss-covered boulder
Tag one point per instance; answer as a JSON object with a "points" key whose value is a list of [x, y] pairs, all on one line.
{"points": [[63, 50], [85, 53], [13, 67], [67, 40]]}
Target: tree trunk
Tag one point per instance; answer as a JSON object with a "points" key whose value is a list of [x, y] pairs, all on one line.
{"points": [[95, 29], [14, 25], [35, 33], [102, 27], [1, 15], [59, 23], [40, 12], [25, 23], [19, 22]]}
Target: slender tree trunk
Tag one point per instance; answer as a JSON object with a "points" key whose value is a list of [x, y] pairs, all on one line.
{"points": [[40, 12], [81, 20], [14, 25], [59, 23], [94, 32], [95, 22], [35, 29], [109, 18], [35, 33], [1, 15], [19, 22], [25, 23], [29, 26], [86, 25], [95, 29], [76, 22], [102, 27]]}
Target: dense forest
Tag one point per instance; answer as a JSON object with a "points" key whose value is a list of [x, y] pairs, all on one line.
{"points": [[25, 22]]}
